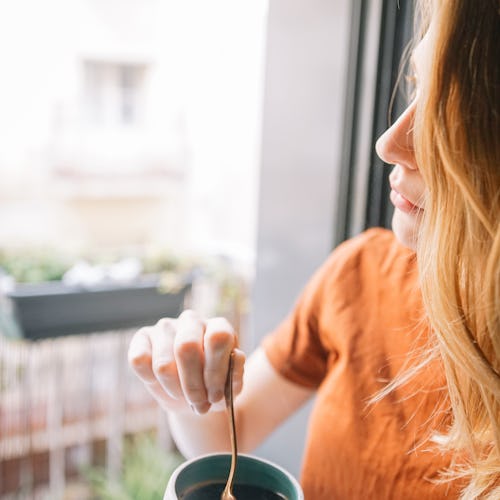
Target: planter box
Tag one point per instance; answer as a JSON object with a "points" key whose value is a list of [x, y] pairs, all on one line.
{"points": [[53, 309]]}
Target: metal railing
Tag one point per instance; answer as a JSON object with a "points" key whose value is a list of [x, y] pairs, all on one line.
{"points": [[58, 398], [67, 403]]}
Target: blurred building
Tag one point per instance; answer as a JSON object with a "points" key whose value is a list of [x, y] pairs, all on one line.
{"points": [[130, 123]]}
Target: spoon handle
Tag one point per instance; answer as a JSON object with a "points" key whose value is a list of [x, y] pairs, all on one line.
{"points": [[228, 394]]}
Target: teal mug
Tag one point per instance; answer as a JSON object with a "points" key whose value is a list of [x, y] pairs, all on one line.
{"points": [[255, 478]]}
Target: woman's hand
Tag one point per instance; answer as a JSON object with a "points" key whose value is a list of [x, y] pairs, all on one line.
{"points": [[183, 362]]}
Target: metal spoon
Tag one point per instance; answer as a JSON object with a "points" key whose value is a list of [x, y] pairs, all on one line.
{"points": [[227, 494]]}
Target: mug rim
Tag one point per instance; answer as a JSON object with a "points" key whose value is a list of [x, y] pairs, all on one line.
{"points": [[173, 478]]}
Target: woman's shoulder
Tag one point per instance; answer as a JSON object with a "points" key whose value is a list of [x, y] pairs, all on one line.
{"points": [[374, 240], [359, 268], [375, 250]]}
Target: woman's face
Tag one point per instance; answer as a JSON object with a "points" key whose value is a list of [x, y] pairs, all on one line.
{"points": [[395, 147]]}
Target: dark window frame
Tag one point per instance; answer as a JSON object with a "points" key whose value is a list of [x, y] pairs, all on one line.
{"points": [[394, 33]]}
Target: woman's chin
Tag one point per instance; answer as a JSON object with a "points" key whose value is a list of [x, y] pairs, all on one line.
{"points": [[405, 227]]}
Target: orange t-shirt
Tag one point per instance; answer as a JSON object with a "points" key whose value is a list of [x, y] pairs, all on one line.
{"points": [[357, 323]]}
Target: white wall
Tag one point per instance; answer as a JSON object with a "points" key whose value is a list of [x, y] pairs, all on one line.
{"points": [[307, 49]]}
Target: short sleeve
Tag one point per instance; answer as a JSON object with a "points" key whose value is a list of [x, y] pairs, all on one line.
{"points": [[294, 348], [302, 348]]}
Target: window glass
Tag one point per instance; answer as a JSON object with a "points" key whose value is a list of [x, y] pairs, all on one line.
{"points": [[130, 123]]}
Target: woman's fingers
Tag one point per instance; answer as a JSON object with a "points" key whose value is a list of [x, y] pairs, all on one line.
{"points": [[238, 370], [218, 343], [189, 355], [140, 355], [162, 398], [185, 360], [163, 360]]}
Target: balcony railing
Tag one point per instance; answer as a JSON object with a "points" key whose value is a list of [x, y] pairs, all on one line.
{"points": [[59, 399], [67, 403]]}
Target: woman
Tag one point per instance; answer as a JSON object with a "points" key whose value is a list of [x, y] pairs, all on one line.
{"points": [[398, 334]]}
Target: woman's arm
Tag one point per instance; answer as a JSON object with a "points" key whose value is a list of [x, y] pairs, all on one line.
{"points": [[265, 401]]}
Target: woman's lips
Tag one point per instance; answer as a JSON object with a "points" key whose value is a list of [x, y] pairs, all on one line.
{"points": [[403, 204]]}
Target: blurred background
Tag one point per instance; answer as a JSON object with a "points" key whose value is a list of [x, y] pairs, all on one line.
{"points": [[134, 123], [162, 154]]}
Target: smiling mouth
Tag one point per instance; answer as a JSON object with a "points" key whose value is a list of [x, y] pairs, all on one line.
{"points": [[403, 204]]}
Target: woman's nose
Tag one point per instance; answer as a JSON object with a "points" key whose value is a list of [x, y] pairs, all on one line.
{"points": [[395, 145]]}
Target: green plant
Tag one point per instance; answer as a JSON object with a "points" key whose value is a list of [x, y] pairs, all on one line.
{"points": [[34, 265], [146, 469]]}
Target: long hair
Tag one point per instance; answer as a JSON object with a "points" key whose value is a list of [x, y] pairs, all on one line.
{"points": [[457, 147]]}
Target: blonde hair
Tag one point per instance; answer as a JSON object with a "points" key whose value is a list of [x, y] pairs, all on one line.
{"points": [[457, 148]]}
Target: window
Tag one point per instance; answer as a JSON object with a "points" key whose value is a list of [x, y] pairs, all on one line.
{"points": [[113, 93], [380, 32]]}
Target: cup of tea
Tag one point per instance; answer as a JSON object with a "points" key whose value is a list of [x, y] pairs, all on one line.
{"points": [[255, 479]]}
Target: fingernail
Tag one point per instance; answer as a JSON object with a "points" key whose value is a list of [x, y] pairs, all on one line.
{"points": [[215, 396], [171, 394], [193, 407]]}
